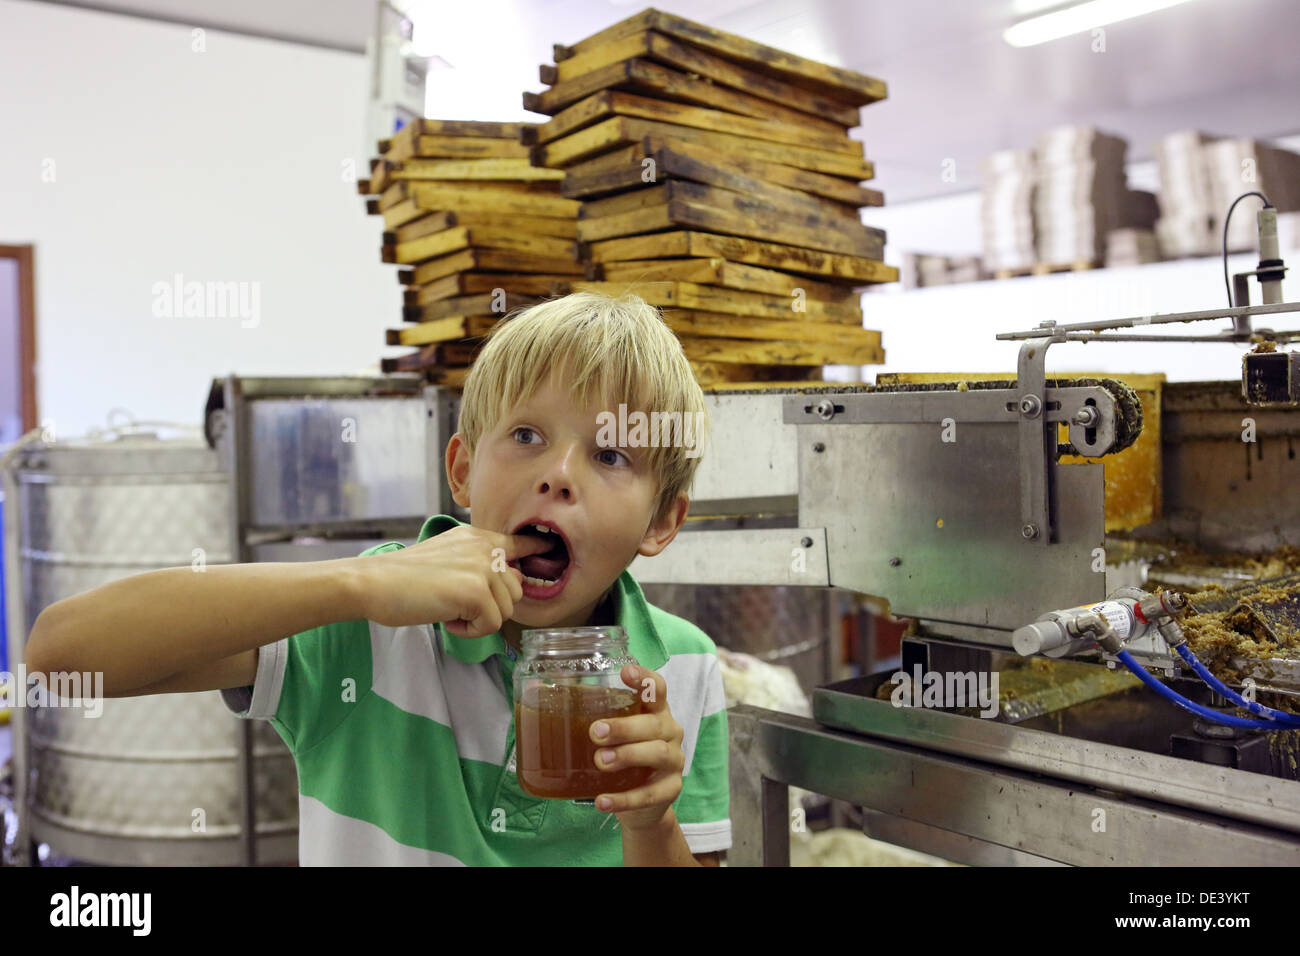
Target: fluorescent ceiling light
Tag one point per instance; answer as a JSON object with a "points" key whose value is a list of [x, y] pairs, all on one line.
{"points": [[1080, 18]]}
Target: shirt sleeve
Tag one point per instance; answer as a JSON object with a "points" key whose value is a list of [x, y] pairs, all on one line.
{"points": [[258, 701], [703, 807], [308, 684]]}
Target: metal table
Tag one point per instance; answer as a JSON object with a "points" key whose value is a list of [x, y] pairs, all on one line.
{"points": [[967, 807]]}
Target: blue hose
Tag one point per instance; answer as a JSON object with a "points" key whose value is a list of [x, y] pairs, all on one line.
{"points": [[1172, 695], [1282, 717]]}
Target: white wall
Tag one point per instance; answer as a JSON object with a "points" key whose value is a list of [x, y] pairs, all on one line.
{"points": [[953, 328], [222, 165]]}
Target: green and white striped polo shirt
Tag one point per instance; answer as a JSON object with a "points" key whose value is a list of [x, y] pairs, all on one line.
{"points": [[403, 739]]}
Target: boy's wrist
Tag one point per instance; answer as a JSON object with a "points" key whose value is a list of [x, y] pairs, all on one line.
{"points": [[660, 843], [662, 825], [344, 579]]}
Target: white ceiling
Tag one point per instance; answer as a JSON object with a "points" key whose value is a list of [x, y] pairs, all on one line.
{"points": [[957, 91]]}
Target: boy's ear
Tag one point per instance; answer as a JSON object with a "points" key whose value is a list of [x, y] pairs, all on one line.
{"points": [[661, 534], [458, 469]]}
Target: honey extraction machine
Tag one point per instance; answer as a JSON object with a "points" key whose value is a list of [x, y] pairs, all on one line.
{"points": [[952, 501]]}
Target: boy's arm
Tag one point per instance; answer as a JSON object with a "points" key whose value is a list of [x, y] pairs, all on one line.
{"points": [[660, 845], [179, 629], [182, 629]]}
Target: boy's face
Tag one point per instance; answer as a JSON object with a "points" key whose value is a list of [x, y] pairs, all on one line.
{"points": [[542, 462]]}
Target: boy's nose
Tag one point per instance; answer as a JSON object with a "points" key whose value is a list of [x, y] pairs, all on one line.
{"points": [[559, 472], [565, 491]]}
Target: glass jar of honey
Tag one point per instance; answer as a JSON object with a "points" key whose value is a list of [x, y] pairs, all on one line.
{"points": [[565, 680]]}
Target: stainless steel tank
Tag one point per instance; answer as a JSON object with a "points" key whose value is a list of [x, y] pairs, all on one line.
{"points": [[153, 780]]}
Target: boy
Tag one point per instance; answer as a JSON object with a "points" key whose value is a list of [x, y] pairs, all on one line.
{"points": [[394, 692]]}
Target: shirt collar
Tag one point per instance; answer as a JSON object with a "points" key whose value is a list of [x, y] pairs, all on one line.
{"points": [[630, 610]]}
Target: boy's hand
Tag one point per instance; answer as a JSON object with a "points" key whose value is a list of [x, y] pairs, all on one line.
{"points": [[650, 739], [459, 578]]}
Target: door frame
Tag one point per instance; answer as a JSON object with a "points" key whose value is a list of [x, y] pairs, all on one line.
{"points": [[26, 258]]}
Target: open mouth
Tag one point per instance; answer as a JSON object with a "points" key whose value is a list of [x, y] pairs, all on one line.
{"points": [[547, 568]]}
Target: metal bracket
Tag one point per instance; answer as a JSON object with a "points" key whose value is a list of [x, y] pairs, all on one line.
{"points": [[1037, 444], [1036, 409], [1080, 406]]}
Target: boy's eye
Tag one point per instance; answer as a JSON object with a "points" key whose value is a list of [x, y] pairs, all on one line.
{"points": [[618, 455]]}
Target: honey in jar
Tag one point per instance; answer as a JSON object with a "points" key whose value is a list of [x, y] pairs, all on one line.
{"points": [[566, 680]]}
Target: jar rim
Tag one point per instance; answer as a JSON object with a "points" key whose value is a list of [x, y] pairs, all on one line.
{"points": [[540, 639]]}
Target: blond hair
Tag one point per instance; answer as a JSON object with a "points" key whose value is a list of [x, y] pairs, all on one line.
{"points": [[611, 350]]}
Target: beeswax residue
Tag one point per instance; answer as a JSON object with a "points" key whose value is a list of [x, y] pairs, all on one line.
{"points": [[1217, 636], [1174, 556]]}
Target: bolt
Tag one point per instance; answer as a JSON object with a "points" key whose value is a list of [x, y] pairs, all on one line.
{"points": [[1030, 406], [1086, 416], [825, 409], [819, 447], [1030, 531]]}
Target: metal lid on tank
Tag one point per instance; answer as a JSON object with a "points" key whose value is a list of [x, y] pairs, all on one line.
{"points": [[125, 446]]}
